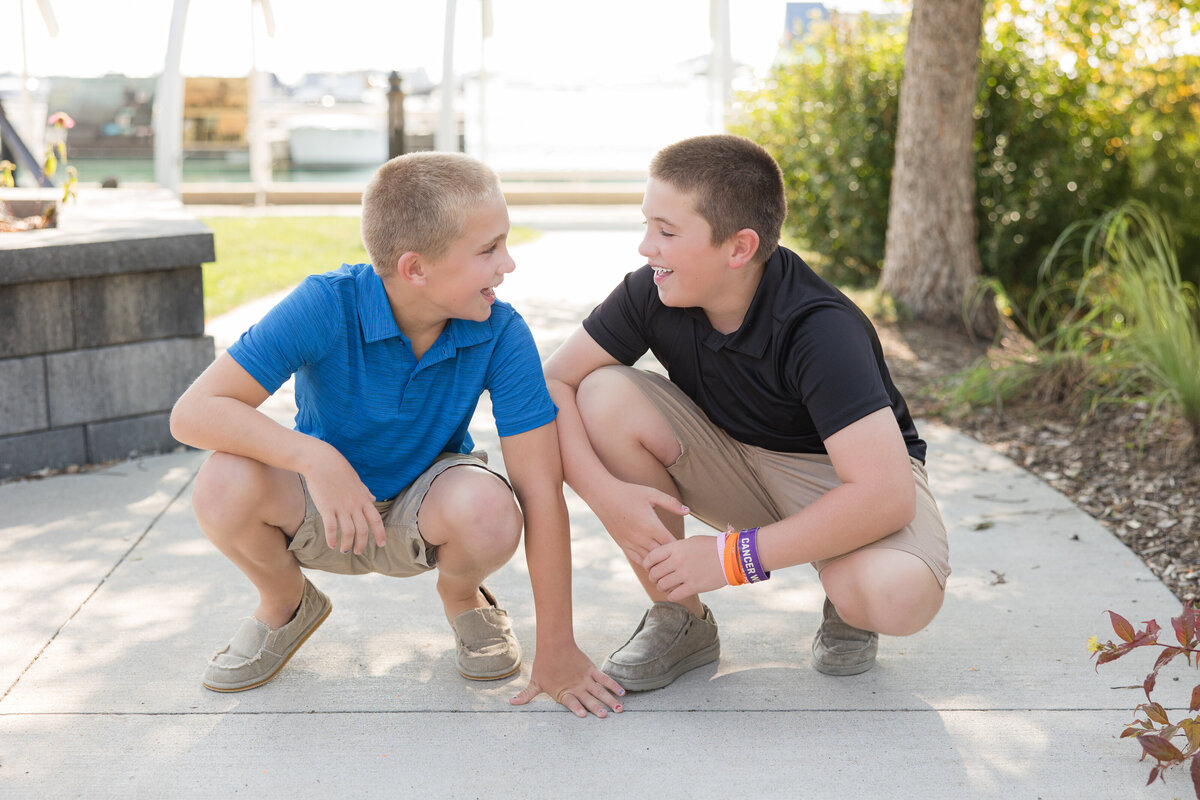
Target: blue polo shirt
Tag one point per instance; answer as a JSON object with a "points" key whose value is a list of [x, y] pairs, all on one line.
{"points": [[360, 387]]}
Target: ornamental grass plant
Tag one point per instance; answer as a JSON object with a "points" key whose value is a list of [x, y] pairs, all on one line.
{"points": [[1112, 321]]}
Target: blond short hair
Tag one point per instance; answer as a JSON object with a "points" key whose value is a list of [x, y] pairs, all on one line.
{"points": [[419, 203], [733, 182]]}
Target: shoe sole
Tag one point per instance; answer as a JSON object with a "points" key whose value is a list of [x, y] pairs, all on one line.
{"points": [[842, 672], [694, 661], [287, 657], [512, 671]]}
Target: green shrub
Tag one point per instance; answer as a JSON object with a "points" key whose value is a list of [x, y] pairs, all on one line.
{"points": [[1115, 323], [1160, 312], [1045, 158], [1058, 141], [828, 115]]}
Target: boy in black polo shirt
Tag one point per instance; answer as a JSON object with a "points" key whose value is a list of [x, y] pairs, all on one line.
{"points": [[779, 426]]}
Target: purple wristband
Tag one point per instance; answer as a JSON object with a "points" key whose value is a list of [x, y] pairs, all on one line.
{"points": [[748, 556]]}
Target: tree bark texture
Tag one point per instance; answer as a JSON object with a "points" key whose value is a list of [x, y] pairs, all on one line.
{"points": [[931, 257]]}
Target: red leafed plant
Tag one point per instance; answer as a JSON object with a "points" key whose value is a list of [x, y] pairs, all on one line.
{"points": [[1155, 732]]}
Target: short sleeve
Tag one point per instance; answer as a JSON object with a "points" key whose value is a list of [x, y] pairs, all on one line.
{"points": [[297, 331], [620, 323], [834, 370], [520, 400]]}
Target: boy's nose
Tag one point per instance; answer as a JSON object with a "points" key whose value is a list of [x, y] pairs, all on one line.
{"points": [[644, 248]]}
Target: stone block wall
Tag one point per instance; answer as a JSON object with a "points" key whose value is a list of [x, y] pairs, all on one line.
{"points": [[101, 330]]}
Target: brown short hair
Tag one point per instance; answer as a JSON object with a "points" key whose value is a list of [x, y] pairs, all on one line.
{"points": [[419, 203], [734, 183]]}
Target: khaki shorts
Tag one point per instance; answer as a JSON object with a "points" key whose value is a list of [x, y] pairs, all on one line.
{"points": [[406, 554], [725, 482]]}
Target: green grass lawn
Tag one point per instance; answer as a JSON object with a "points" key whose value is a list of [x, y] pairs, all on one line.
{"points": [[260, 255]]}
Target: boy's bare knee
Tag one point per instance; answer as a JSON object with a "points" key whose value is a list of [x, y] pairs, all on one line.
{"points": [[474, 510], [227, 489], [887, 591], [603, 395]]}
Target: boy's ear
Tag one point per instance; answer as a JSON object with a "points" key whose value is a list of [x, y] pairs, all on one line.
{"points": [[411, 269], [744, 246]]}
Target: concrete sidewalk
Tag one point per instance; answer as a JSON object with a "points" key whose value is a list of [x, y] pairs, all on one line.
{"points": [[113, 601]]}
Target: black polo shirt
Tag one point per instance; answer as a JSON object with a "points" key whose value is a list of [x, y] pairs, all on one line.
{"points": [[805, 363]]}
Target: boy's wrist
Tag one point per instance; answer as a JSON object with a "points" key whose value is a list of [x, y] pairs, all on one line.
{"points": [[312, 453], [737, 551]]}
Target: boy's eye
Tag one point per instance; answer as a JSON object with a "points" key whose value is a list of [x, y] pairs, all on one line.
{"points": [[661, 231]]}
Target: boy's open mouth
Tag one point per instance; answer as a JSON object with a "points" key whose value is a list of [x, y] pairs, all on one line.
{"points": [[490, 293], [661, 273]]}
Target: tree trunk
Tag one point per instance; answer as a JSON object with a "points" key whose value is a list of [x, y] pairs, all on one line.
{"points": [[931, 258]]}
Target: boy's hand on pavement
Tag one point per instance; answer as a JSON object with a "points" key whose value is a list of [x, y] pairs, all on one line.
{"points": [[573, 680], [686, 567], [630, 517], [346, 507]]}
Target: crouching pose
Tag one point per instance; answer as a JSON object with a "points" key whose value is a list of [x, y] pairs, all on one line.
{"points": [[378, 475], [776, 423]]}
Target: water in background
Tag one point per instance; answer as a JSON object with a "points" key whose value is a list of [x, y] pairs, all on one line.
{"points": [[596, 129]]}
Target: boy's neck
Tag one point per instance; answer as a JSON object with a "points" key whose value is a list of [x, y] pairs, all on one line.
{"points": [[727, 313], [421, 330]]}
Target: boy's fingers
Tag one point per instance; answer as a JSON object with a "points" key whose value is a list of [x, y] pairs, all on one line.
{"points": [[594, 705], [668, 503], [656, 556], [377, 528], [608, 682], [525, 695], [346, 526], [364, 531], [606, 697], [572, 702]]}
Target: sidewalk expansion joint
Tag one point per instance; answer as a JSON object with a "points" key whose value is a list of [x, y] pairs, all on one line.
{"points": [[501, 711]]}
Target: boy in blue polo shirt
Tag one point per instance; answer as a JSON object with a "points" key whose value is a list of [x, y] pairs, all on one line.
{"points": [[777, 424], [378, 475]]}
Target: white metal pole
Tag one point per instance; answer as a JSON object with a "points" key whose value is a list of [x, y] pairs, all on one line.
{"points": [[168, 107], [720, 64], [26, 95], [260, 157], [485, 35], [446, 138]]}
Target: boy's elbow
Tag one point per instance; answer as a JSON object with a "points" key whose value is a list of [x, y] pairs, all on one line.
{"points": [[176, 425], [180, 420]]}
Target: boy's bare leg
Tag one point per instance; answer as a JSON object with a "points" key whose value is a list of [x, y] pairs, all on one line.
{"points": [[244, 506], [475, 522], [636, 444], [887, 591]]}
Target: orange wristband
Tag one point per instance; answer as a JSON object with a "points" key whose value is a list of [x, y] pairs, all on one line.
{"points": [[730, 562]]}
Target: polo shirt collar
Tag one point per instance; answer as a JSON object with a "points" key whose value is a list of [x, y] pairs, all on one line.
{"points": [[378, 323], [374, 311], [754, 335]]}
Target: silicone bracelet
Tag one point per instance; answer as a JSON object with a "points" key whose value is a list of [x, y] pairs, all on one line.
{"points": [[748, 556]]}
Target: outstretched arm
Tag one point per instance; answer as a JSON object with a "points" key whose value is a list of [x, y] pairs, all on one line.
{"points": [[219, 411], [560, 668], [627, 510]]}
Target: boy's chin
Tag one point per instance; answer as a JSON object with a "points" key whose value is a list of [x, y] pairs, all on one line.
{"points": [[666, 298], [479, 316]]}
